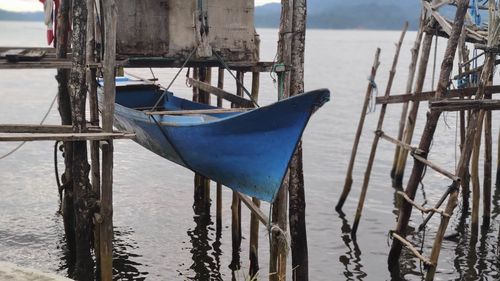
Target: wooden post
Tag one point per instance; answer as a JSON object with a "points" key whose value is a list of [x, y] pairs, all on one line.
{"points": [[95, 169], [220, 85], [487, 169], [84, 266], [65, 113], [235, 232], [464, 53], [357, 137], [428, 134], [297, 200], [376, 139], [497, 182], [409, 85], [278, 251], [254, 242], [236, 203], [106, 229], [202, 184], [412, 115], [475, 180], [254, 220]]}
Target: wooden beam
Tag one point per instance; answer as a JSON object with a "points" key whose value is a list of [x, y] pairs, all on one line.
{"points": [[254, 209], [220, 93], [46, 129], [398, 142], [459, 105], [412, 248], [64, 136], [425, 96], [198, 111]]}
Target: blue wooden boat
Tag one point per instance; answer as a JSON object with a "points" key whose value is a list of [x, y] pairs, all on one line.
{"points": [[247, 151]]}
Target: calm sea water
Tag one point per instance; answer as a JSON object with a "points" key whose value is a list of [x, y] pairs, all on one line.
{"points": [[158, 237]]}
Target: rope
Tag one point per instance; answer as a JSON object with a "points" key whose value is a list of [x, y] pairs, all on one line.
{"points": [[175, 77], [41, 123], [219, 58]]}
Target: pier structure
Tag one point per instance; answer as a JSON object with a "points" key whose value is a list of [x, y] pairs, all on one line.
{"points": [[91, 49], [476, 45]]}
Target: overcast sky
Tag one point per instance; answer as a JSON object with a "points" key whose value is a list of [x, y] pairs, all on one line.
{"points": [[35, 5]]}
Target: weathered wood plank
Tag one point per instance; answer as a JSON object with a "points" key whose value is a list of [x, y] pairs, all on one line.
{"points": [[220, 93], [425, 96], [199, 111], [47, 129], [458, 105], [64, 136]]}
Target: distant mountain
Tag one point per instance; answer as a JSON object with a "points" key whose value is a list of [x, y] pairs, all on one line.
{"points": [[15, 16], [341, 14]]}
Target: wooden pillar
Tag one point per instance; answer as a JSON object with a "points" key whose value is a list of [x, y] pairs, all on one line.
{"points": [[236, 202], [82, 199], [412, 115], [297, 200], [409, 86], [278, 251], [497, 184], [202, 184], [475, 180], [254, 221], [220, 85], [357, 137], [65, 113], [430, 127], [376, 139], [464, 54], [106, 210], [487, 169], [95, 169]]}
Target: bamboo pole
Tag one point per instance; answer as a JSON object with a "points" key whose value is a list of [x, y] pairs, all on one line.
{"points": [[412, 115], [409, 84], [254, 220], [106, 211], [357, 137], [376, 138], [464, 159], [430, 127]]}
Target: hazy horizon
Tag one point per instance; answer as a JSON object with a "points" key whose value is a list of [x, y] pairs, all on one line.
{"points": [[36, 6]]}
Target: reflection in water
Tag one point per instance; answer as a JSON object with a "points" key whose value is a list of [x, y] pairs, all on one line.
{"points": [[124, 266], [352, 258], [205, 256]]}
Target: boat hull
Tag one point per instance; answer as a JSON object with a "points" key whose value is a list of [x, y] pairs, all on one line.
{"points": [[248, 152]]}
